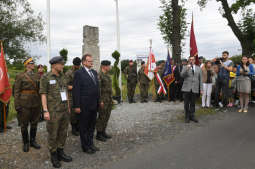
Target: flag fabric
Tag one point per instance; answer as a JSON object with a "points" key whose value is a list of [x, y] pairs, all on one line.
{"points": [[151, 71], [193, 43], [161, 85], [168, 71], [5, 87], [150, 66]]}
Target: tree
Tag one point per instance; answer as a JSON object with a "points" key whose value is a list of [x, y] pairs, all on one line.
{"points": [[116, 74], [19, 25], [244, 29], [64, 53], [172, 24]]}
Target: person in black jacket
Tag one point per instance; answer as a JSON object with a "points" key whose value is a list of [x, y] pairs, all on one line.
{"points": [[86, 96]]}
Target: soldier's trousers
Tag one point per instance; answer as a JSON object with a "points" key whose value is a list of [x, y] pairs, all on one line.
{"points": [[74, 118], [29, 116], [57, 128], [104, 116], [131, 90], [144, 91]]}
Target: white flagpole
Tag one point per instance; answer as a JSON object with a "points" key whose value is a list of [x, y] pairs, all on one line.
{"points": [[48, 34], [118, 42]]}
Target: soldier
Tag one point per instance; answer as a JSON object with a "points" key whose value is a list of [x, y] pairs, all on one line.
{"points": [[131, 76], [53, 90], [144, 83], [160, 71], [105, 101], [27, 103], [74, 119]]}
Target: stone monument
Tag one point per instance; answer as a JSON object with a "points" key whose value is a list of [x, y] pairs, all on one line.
{"points": [[90, 44]]}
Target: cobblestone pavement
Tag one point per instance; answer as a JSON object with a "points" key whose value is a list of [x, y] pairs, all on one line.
{"points": [[132, 126]]}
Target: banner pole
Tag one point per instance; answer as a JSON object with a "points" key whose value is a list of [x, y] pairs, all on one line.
{"points": [[4, 116]]}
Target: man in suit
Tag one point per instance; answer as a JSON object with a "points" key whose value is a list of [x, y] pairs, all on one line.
{"points": [[86, 102], [192, 76]]}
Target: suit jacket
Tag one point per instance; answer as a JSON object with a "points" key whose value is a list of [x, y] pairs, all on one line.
{"points": [[192, 81], [86, 92]]}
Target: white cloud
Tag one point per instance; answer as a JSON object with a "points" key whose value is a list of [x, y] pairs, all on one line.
{"points": [[138, 25]]}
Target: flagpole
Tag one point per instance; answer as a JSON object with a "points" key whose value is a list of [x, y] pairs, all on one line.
{"points": [[4, 116], [118, 43], [48, 34]]}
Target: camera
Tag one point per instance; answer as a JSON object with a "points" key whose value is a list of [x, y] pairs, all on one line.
{"points": [[218, 61]]}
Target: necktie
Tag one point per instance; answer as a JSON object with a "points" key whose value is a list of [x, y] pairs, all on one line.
{"points": [[92, 76], [192, 69]]}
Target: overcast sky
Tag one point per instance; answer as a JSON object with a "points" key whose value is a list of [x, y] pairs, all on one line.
{"points": [[138, 24]]}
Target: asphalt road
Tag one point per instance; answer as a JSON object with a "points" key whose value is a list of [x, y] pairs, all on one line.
{"points": [[223, 144]]}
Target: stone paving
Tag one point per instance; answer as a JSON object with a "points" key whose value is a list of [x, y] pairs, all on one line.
{"points": [[132, 126]]}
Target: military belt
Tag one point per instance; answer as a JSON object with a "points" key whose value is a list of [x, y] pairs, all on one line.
{"points": [[28, 92]]}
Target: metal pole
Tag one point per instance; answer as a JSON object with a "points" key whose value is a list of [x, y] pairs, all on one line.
{"points": [[48, 34], [118, 42]]}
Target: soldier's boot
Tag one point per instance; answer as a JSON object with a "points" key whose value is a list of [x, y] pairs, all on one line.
{"points": [[54, 160], [107, 136], [62, 156], [100, 137], [25, 140], [75, 132], [33, 142]]}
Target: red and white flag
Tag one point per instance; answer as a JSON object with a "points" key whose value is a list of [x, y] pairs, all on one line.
{"points": [[161, 85], [151, 66], [151, 71]]}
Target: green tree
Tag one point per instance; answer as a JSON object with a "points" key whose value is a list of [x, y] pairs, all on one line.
{"points": [[19, 27], [244, 29], [64, 54], [173, 25], [116, 74]]}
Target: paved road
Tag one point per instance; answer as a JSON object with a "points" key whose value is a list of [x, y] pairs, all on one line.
{"points": [[223, 144]]}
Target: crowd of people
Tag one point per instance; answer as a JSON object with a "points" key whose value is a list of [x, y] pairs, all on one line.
{"points": [[82, 96]]}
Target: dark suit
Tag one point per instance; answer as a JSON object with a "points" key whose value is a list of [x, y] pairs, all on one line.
{"points": [[86, 97]]}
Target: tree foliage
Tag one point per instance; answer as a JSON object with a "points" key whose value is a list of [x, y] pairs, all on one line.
{"points": [[116, 73], [173, 25], [19, 26], [64, 54], [244, 29]]}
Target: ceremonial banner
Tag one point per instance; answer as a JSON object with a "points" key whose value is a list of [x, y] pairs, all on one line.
{"points": [[150, 66], [168, 71], [193, 43], [5, 87]]}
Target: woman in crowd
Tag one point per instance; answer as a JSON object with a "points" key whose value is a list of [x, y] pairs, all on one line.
{"points": [[207, 84], [40, 70], [244, 71]]}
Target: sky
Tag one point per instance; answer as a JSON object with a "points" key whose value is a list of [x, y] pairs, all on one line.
{"points": [[138, 24]]}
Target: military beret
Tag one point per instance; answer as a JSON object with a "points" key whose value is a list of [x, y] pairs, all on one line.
{"points": [[143, 62], [105, 63], [56, 59], [28, 61], [77, 61]]}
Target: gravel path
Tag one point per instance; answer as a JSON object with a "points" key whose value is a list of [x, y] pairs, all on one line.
{"points": [[132, 126]]}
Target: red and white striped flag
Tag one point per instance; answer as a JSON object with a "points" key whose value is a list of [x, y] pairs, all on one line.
{"points": [[151, 66]]}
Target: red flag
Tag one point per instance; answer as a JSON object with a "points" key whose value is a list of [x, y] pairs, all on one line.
{"points": [[193, 43], [5, 87]]}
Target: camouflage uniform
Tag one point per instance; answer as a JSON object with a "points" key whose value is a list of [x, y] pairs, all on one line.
{"points": [[57, 126], [105, 97], [74, 116], [131, 73], [160, 71], [144, 84], [27, 103]]}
